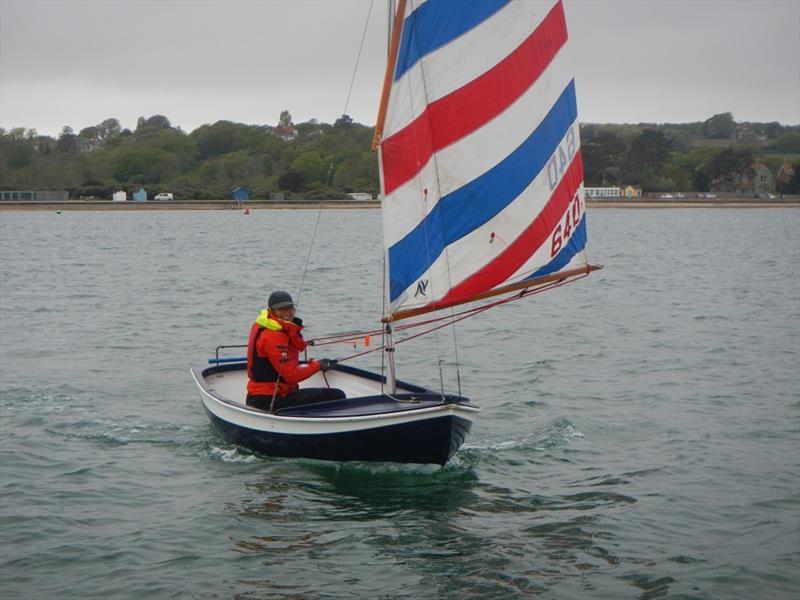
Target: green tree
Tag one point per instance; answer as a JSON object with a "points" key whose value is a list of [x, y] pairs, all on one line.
{"points": [[142, 165], [343, 122], [720, 126], [646, 159], [312, 165], [603, 156], [108, 129], [788, 142], [292, 181], [19, 156], [67, 141], [150, 123]]}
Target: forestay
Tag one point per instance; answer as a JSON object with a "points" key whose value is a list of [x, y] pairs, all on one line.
{"points": [[479, 153]]}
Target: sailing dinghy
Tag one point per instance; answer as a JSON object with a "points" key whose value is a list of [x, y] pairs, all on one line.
{"points": [[482, 181]]}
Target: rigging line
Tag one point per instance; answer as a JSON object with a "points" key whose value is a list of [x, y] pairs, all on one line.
{"points": [[346, 104], [345, 336], [358, 57], [308, 257], [469, 313], [455, 317], [355, 336]]}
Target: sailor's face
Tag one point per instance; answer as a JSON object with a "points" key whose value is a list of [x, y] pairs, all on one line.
{"points": [[285, 314]]}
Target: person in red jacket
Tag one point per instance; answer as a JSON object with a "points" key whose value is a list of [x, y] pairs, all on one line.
{"points": [[273, 366]]}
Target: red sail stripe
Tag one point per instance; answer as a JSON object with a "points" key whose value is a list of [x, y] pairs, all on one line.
{"points": [[469, 107], [529, 241]]}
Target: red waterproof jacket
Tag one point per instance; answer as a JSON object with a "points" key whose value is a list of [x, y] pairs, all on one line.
{"points": [[273, 353]]}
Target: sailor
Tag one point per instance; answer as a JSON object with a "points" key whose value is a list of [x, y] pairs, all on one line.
{"points": [[273, 366]]}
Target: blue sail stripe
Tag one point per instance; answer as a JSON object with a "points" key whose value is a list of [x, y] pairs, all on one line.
{"points": [[575, 244], [471, 205], [437, 23]]}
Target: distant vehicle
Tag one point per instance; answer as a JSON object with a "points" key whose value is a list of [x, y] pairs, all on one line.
{"points": [[711, 196], [164, 196], [666, 196], [771, 196], [679, 195]]}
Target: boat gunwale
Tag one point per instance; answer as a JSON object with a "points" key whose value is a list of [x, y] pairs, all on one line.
{"points": [[198, 374]]}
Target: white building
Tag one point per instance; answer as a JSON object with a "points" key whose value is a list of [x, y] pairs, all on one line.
{"points": [[360, 196], [119, 196], [601, 192]]}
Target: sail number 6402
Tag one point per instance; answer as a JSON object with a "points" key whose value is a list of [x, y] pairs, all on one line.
{"points": [[563, 231]]}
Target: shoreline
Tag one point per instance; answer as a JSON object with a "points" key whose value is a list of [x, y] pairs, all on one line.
{"points": [[108, 205]]}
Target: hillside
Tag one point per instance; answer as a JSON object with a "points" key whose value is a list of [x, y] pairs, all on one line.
{"points": [[318, 160]]}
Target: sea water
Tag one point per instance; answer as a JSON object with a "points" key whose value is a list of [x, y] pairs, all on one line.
{"points": [[640, 433]]}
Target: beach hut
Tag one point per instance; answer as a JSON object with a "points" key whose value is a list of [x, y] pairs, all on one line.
{"points": [[119, 196], [240, 194], [140, 195]]}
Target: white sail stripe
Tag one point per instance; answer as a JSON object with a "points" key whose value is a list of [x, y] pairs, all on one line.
{"points": [[466, 256], [473, 155], [465, 58]]}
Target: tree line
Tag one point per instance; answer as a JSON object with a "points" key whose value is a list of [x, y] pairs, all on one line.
{"points": [[690, 156], [321, 161], [312, 160]]}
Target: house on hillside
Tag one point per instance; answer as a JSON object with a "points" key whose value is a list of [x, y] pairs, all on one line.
{"points": [[83, 145], [762, 181], [756, 180], [286, 132], [784, 175]]}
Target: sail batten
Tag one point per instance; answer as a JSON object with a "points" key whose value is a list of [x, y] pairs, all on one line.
{"points": [[482, 183]]}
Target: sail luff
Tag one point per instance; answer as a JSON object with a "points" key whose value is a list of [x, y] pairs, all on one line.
{"points": [[522, 285], [387, 78]]}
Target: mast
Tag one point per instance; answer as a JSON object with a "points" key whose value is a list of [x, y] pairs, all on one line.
{"points": [[394, 25]]}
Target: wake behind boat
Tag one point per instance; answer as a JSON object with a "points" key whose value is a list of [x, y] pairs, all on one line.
{"points": [[413, 425]]}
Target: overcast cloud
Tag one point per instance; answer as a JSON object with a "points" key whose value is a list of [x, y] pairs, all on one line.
{"points": [[77, 63]]}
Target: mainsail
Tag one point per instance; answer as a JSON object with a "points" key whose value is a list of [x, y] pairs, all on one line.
{"points": [[479, 153]]}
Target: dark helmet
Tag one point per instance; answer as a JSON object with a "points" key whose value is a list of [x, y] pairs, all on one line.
{"points": [[280, 299]]}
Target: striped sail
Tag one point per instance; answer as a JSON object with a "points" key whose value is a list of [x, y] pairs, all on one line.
{"points": [[479, 152]]}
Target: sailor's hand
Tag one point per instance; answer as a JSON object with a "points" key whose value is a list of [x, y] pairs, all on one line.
{"points": [[326, 364]]}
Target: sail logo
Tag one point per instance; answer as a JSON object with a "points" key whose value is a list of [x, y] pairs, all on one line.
{"points": [[561, 159], [422, 286]]}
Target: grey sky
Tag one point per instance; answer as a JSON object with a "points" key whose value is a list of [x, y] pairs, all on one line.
{"points": [[76, 63]]}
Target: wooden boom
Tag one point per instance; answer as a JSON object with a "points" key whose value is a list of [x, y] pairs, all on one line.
{"points": [[413, 312]]}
